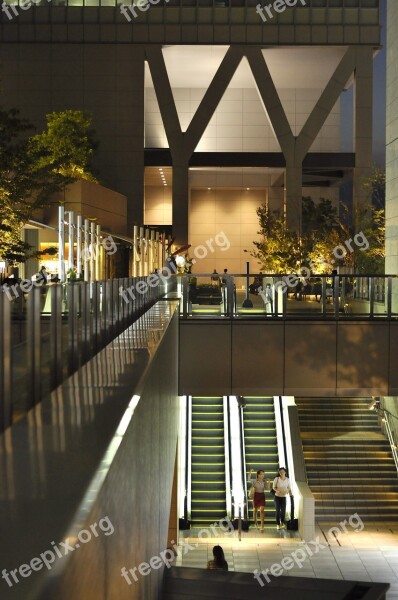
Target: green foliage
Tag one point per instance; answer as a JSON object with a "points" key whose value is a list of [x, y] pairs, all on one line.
{"points": [[369, 217], [32, 170], [281, 250], [67, 145]]}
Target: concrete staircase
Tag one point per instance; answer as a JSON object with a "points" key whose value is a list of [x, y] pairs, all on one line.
{"points": [[349, 463]]}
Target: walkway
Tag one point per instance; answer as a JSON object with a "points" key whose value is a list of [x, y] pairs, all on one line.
{"points": [[368, 555]]}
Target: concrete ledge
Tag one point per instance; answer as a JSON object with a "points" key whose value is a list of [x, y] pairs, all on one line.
{"points": [[182, 583]]}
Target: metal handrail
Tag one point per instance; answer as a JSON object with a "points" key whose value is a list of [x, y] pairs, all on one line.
{"points": [[343, 291], [386, 417], [64, 325]]}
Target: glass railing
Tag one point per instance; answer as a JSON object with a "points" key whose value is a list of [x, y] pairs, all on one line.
{"points": [[288, 296], [50, 331]]}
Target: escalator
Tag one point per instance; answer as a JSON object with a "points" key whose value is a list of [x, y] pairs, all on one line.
{"points": [[208, 487], [260, 443]]}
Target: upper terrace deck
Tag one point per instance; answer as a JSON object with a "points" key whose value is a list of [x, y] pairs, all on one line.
{"points": [[319, 22]]}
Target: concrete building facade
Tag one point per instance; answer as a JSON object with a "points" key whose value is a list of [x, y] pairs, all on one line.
{"points": [[212, 93]]}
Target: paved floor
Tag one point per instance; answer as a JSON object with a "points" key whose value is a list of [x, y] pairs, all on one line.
{"points": [[367, 555]]}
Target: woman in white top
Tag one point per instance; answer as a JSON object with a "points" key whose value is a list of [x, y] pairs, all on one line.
{"points": [[281, 486]]}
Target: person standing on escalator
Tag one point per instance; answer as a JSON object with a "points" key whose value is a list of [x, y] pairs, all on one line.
{"points": [[260, 485], [281, 487]]}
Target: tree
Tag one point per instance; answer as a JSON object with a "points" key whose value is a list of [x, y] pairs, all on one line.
{"points": [[279, 250], [32, 170], [67, 145], [283, 251], [369, 218]]}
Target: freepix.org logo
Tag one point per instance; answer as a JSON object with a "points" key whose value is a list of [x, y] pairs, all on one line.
{"points": [[279, 6]]}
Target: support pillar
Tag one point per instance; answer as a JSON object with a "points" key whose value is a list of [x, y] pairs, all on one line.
{"points": [[363, 125], [293, 194], [130, 119], [180, 203]]}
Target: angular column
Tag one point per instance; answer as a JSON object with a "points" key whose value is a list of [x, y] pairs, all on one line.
{"points": [[363, 123], [180, 203], [130, 67], [293, 193]]}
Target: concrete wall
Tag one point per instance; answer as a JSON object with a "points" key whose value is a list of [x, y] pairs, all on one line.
{"points": [[136, 495], [288, 358], [92, 201], [104, 79], [88, 452], [240, 123]]}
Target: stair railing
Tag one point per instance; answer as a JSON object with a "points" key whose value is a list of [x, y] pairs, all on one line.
{"points": [[387, 419], [390, 434]]}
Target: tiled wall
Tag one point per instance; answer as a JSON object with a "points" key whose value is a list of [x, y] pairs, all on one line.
{"points": [[240, 123], [232, 212], [158, 205]]}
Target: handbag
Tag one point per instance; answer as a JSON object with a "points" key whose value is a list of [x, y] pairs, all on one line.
{"points": [[292, 524], [273, 492], [252, 492]]}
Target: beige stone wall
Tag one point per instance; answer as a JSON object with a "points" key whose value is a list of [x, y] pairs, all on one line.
{"points": [[233, 212], [93, 201]]}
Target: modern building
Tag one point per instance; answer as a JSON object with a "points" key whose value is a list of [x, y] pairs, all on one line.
{"points": [[203, 110], [234, 108]]}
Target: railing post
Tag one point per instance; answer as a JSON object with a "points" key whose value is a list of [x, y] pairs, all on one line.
{"points": [[5, 363], [34, 346], [371, 297], [85, 288], [230, 296], [56, 335], [72, 290], [336, 296], [389, 297], [324, 298], [185, 296]]}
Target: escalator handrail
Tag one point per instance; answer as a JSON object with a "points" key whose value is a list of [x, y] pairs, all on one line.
{"points": [[243, 462], [228, 433]]}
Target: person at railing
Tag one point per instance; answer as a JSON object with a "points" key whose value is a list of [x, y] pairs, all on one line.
{"points": [[281, 487], [260, 485], [218, 563], [268, 299], [224, 280], [215, 277]]}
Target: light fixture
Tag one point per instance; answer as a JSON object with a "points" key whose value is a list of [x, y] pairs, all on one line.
{"points": [[209, 188], [248, 189]]}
